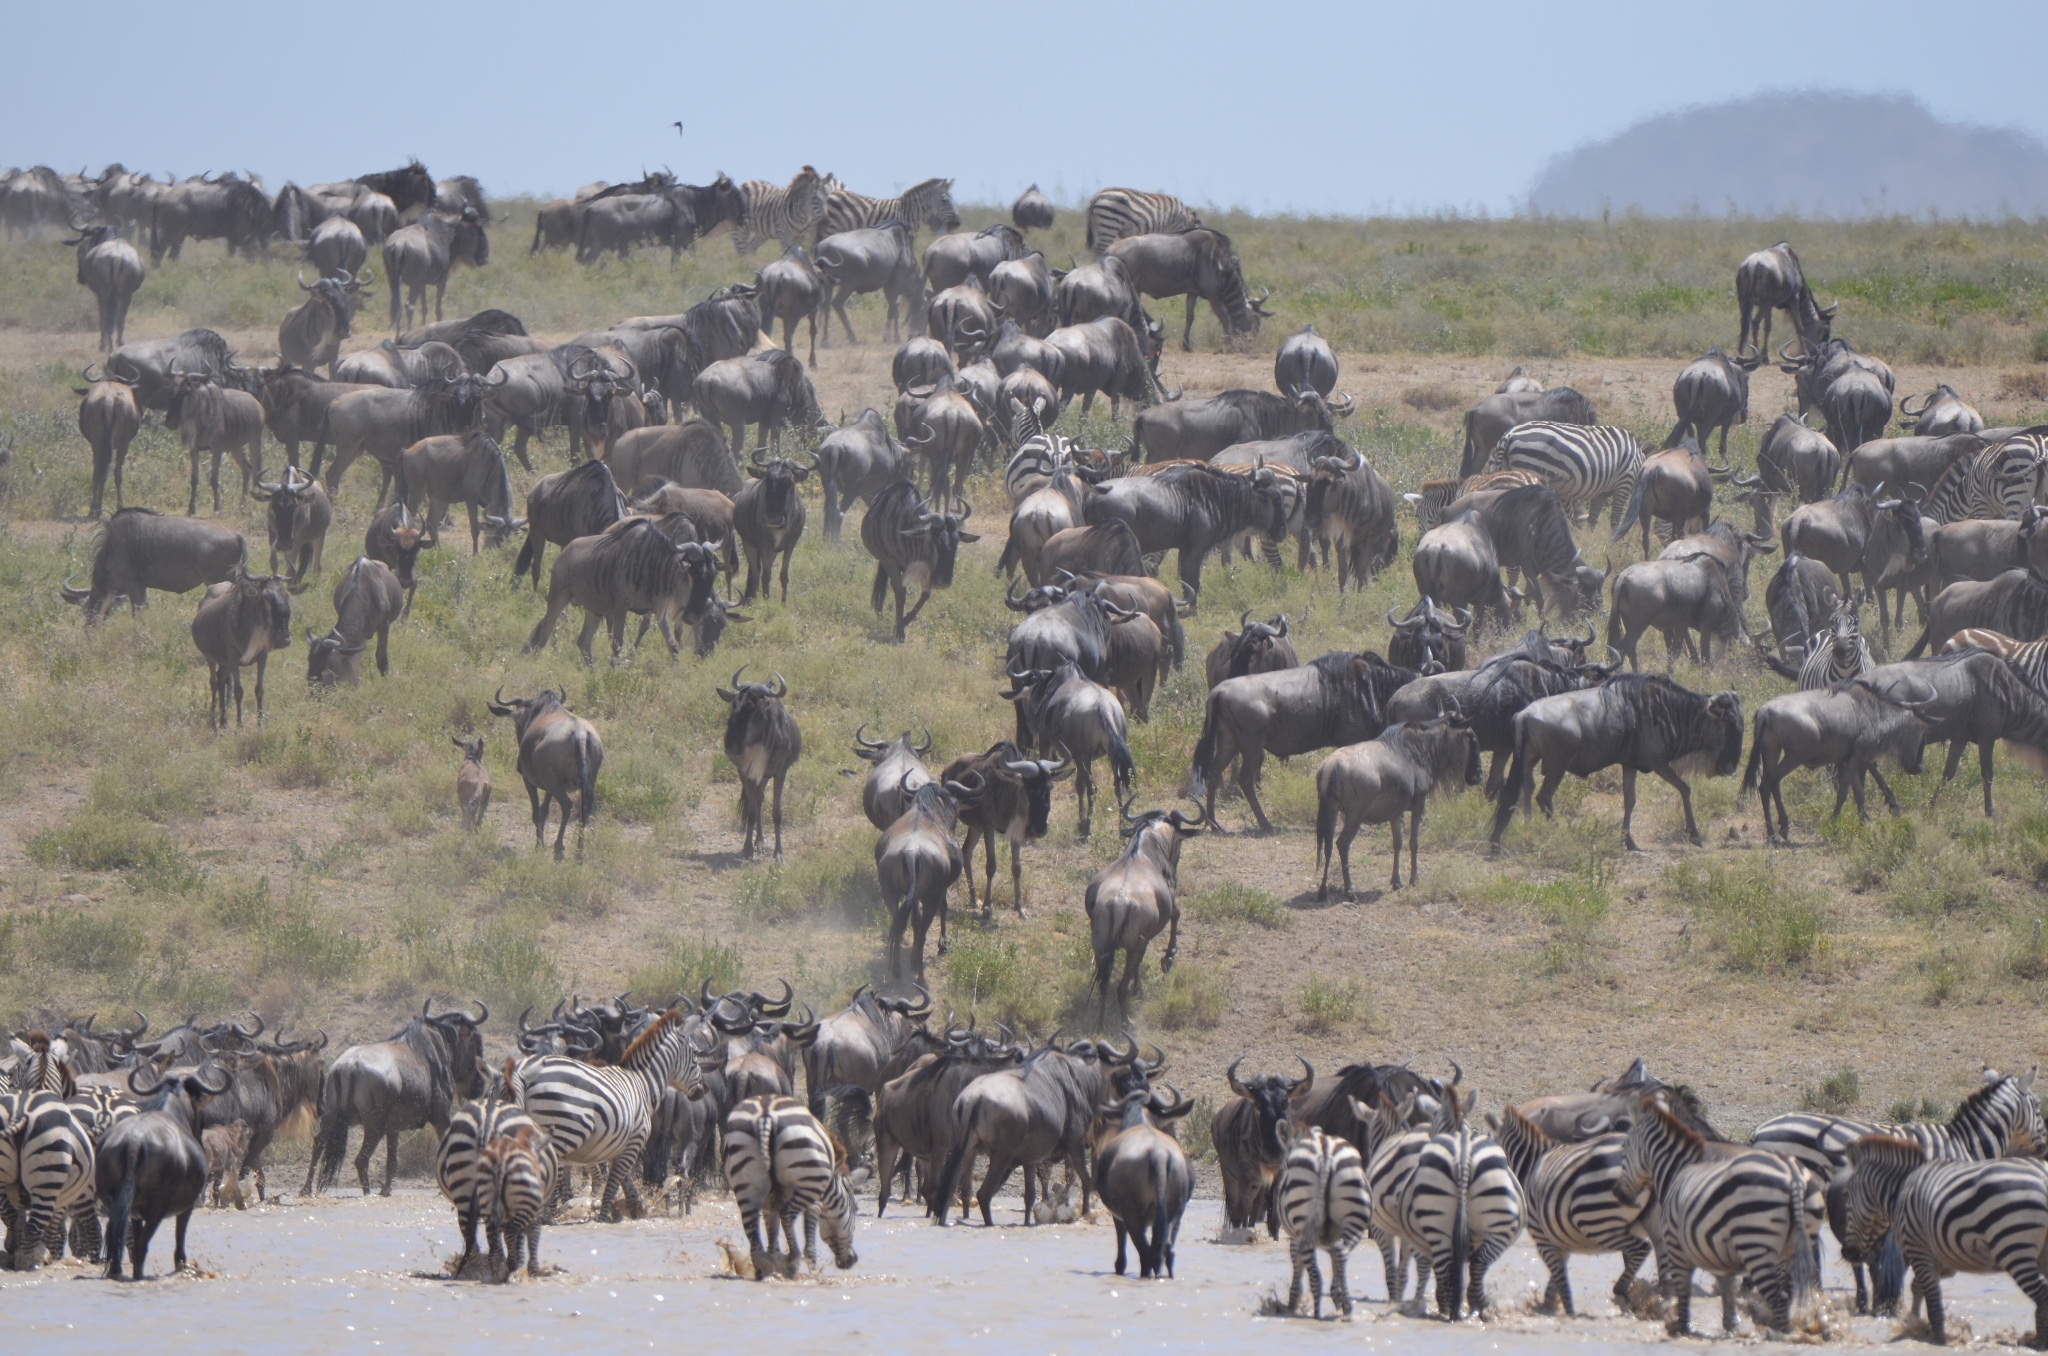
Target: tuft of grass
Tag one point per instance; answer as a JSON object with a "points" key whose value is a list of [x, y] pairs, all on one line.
{"points": [[509, 964], [838, 878], [1875, 851], [2028, 383], [1926, 1109], [1435, 398], [1942, 971], [1837, 1095], [1232, 902], [682, 964], [1574, 907], [1192, 998], [1195, 1136], [1324, 1006], [300, 939], [1030, 984], [1752, 919], [534, 881], [96, 841]]}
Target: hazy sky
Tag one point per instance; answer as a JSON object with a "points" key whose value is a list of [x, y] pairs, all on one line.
{"points": [[1315, 106]]}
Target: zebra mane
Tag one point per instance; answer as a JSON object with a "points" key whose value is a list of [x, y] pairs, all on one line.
{"points": [[1891, 1150], [1978, 1100], [1512, 1118], [633, 1053]]}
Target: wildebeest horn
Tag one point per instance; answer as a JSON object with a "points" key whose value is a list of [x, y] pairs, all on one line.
{"points": [[1393, 620], [922, 749], [301, 276], [1306, 1082], [89, 377], [483, 1013], [1342, 403], [1230, 1076], [781, 690], [1012, 601], [71, 594], [860, 738]]}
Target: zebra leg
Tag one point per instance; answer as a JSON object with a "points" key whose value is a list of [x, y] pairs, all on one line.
{"points": [[1633, 1254], [1340, 1290], [1674, 1280], [1559, 1291], [1725, 1287], [495, 1239], [1446, 1285], [1301, 1264]]}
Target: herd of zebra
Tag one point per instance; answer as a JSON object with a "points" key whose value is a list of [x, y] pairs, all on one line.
{"points": [[105, 1122]]}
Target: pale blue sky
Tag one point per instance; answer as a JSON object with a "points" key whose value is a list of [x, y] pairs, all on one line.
{"points": [[1312, 106]]}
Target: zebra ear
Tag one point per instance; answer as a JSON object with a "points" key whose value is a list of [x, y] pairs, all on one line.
{"points": [[2027, 1080]]}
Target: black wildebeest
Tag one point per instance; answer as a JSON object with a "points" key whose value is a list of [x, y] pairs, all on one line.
{"points": [[559, 758], [1134, 899], [1643, 722], [913, 545], [579, 502], [1001, 794], [413, 1079], [1200, 264], [916, 863], [1060, 708], [1772, 280], [767, 389], [1492, 417], [367, 599], [210, 417], [1199, 429], [789, 290], [1978, 699], [298, 519], [423, 254], [1850, 728], [112, 271], [141, 549], [1336, 699], [1712, 392], [108, 420], [876, 259], [151, 1165], [768, 516], [310, 334], [1255, 647], [1383, 778], [1305, 362], [858, 461], [239, 622], [763, 741], [1192, 510]]}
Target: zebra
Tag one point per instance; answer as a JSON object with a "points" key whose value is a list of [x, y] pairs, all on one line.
{"points": [[1839, 653], [1037, 458], [1571, 1204], [1729, 1210], [1460, 1205], [455, 1161], [2001, 1117], [514, 1177], [783, 212], [927, 204], [1322, 1203], [778, 1156], [1587, 465], [1114, 213], [2028, 659], [1952, 1216], [46, 1173], [2001, 481], [42, 1065], [601, 1115]]}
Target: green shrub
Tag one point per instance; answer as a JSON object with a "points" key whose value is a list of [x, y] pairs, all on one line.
{"points": [[104, 941], [1837, 1095], [682, 964], [1907, 1110], [298, 940], [100, 842], [536, 882], [1751, 918], [1195, 1134], [637, 792], [1232, 902], [1575, 909], [1323, 1007], [509, 965], [1192, 998], [837, 878]]}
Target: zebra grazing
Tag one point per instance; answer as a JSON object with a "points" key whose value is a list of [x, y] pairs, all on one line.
{"points": [[779, 212], [601, 1115], [1722, 1208], [927, 204], [1322, 1204], [1114, 213], [2001, 481], [1970, 1216], [1458, 1203], [456, 1162], [2002, 1117], [778, 1157], [1570, 1204], [46, 1173], [1587, 465], [515, 1176]]}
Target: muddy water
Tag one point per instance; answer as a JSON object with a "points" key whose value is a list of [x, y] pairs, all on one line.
{"points": [[349, 1275]]}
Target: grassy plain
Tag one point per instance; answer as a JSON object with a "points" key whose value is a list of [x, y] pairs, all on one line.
{"points": [[316, 871]]}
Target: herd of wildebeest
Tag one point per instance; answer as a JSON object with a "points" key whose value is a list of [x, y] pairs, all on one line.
{"points": [[664, 493]]}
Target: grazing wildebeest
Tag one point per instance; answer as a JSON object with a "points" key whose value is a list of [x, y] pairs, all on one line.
{"points": [[423, 254], [1305, 362], [914, 546], [1849, 728], [1199, 429], [691, 454], [1103, 356], [112, 271], [1772, 280], [1486, 422], [1336, 699], [1246, 1134], [858, 461], [472, 782], [1676, 597], [1201, 264], [310, 334], [367, 599], [394, 539], [413, 1079], [559, 758], [1059, 708], [789, 290], [213, 418], [767, 389], [763, 741], [1134, 899], [872, 260], [1455, 562], [298, 519], [1021, 292], [459, 468], [1378, 781], [383, 423], [108, 420], [1001, 794], [141, 549], [916, 863], [1641, 721], [1143, 1176], [239, 622], [1192, 510], [1532, 537], [151, 1164]]}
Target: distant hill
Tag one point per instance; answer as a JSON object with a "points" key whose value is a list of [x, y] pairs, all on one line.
{"points": [[1808, 153]]}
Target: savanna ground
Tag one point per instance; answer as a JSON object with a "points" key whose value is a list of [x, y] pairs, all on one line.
{"points": [[315, 869]]}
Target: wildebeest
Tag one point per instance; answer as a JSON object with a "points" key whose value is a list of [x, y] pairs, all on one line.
{"points": [[857, 1045], [951, 258], [1001, 794], [1029, 1117], [1531, 536], [1771, 280], [692, 454], [472, 783], [459, 468], [239, 622], [1839, 532], [914, 1109], [1941, 413], [1350, 509], [916, 863], [296, 405], [1255, 647], [1021, 292], [1305, 362], [872, 260], [1984, 548], [579, 502], [768, 516], [1246, 1134], [1100, 548], [858, 461], [1032, 211], [1429, 639], [895, 770], [1336, 699], [1736, 549], [674, 216], [1133, 899], [337, 248], [914, 546], [559, 758], [1383, 778], [921, 361], [768, 389], [108, 420], [140, 549], [298, 519], [789, 290], [1199, 429], [1793, 458], [1676, 597], [1201, 264], [1849, 727], [1102, 289], [1143, 1176], [1102, 356], [112, 271], [1059, 708], [653, 567], [383, 423], [1799, 598], [1712, 392], [394, 538], [227, 208], [1641, 721], [944, 426], [209, 417], [1978, 699], [763, 741], [423, 254], [1489, 697], [1456, 563], [401, 367], [413, 1079], [962, 318], [151, 1165], [310, 334], [1486, 422], [1191, 510], [367, 599], [153, 366]]}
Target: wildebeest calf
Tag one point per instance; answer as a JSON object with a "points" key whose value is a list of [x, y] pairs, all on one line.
{"points": [[1378, 781], [472, 782]]}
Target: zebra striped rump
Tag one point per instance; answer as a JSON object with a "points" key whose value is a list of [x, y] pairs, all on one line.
{"points": [[778, 1158], [1571, 1204], [1322, 1204]]}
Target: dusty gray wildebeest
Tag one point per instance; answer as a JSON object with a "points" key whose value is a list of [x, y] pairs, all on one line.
{"points": [[384, 423], [1199, 429], [1772, 280], [336, 247], [151, 1165], [1429, 639], [895, 770], [298, 519], [1941, 413], [874, 259], [1200, 264], [108, 420], [767, 389], [1492, 695], [789, 290], [1032, 211], [559, 758], [1058, 708], [423, 254], [239, 622], [1305, 362], [858, 461], [1378, 781], [389, 1087], [1978, 699], [1486, 422], [1675, 486], [916, 862], [579, 502], [1142, 1174], [210, 417], [1001, 794], [1193, 510], [1641, 721], [1676, 597], [914, 546], [768, 516], [367, 599], [1134, 899], [1795, 459], [310, 334], [1455, 563], [141, 549], [1712, 392], [951, 258], [1021, 291], [472, 782], [459, 468], [394, 537], [112, 271], [1848, 728], [1104, 356], [1246, 1134], [858, 1045], [763, 742]]}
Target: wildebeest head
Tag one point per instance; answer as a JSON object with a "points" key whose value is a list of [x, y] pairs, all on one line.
{"points": [[183, 385], [1428, 640], [472, 244], [189, 1093], [330, 659], [719, 613], [779, 477], [1272, 1096], [944, 533], [1252, 642], [341, 295], [472, 749], [1724, 733], [523, 711], [465, 1044], [753, 707], [794, 394], [1035, 775]]}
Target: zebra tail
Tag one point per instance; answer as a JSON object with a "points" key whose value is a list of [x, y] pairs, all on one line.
{"points": [[1888, 1276], [1312, 1227], [1461, 1240], [117, 1224], [1804, 1273], [1756, 758], [1635, 509]]}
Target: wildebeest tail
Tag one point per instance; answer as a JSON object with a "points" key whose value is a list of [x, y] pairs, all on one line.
{"points": [[956, 1162], [1158, 1213], [1756, 758], [330, 1144], [1635, 506], [586, 778], [1777, 665], [1326, 829], [1920, 645], [1205, 768], [1121, 766], [1007, 562], [528, 554], [1511, 789]]}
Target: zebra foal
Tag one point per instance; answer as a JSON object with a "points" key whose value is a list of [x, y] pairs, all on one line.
{"points": [[459, 1167]]}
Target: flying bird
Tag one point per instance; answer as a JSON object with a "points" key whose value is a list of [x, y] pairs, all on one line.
{"points": [[678, 125]]}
